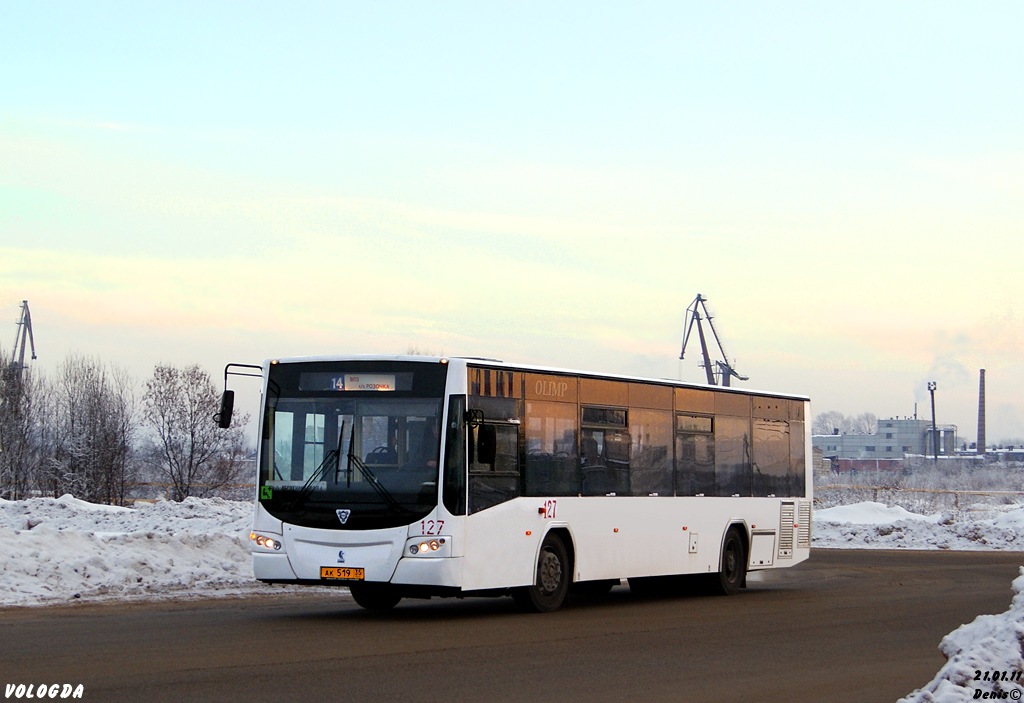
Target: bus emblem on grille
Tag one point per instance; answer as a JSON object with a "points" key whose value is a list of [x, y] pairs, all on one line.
{"points": [[343, 515], [341, 557]]}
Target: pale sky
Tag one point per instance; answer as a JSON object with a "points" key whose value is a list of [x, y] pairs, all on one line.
{"points": [[541, 183]]}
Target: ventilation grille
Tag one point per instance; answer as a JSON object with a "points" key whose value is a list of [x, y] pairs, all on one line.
{"points": [[786, 530], [803, 532]]}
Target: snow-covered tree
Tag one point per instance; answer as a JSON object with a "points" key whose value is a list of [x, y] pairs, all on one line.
{"points": [[88, 425]]}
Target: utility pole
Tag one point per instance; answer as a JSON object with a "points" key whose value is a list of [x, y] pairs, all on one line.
{"points": [[935, 433]]}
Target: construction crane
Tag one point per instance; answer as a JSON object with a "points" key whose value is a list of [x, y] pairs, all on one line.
{"points": [[719, 371], [24, 335]]}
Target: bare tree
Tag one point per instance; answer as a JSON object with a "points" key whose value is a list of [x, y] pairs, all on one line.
{"points": [[865, 423], [834, 422], [195, 456], [87, 440], [414, 350], [828, 422], [18, 415]]}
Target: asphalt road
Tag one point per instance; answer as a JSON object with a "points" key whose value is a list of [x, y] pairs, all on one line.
{"points": [[856, 626]]}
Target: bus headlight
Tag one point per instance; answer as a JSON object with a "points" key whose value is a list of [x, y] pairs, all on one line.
{"points": [[429, 547], [265, 542]]}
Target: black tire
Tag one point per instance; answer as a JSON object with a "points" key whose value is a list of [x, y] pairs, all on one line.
{"points": [[734, 565], [551, 580], [375, 596]]}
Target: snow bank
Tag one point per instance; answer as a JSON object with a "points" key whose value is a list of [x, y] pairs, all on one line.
{"points": [[870, 514], [876, 526], [62, 549], [990, 645]]}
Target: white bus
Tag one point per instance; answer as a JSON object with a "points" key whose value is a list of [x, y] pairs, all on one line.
{"points": [[416, 477]]}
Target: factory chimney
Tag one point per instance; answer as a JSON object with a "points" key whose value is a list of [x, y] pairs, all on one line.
{"points": [[981, 414]]}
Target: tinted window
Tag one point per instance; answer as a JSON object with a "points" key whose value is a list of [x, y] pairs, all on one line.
{"points": [[651, 461], [732, 456], [604, 455], [455, 457], [797, 458], [491, 484], [771, 458], [551, 436], [695, 455], [695, 464], [609, 417]]}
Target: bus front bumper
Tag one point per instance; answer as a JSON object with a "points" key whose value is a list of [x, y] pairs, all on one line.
{"points": [[414, 571]]}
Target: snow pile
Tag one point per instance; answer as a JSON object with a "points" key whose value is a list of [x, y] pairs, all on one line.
{"points": [[62, 549], [990, 645], [876, 526], [870, 514]]}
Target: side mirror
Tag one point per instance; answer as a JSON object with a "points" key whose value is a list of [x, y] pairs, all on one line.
{"points": [[487, 444], [227, 404]]}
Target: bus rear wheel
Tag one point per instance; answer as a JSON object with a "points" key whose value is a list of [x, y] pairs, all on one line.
{"points": [[734, 565], [551, 579], [375, 596]]}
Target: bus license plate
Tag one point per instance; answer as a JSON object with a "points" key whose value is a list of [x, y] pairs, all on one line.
{"points": [[342, 573]]}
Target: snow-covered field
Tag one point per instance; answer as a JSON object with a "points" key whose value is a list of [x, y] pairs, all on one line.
{"points": [[62, 550]]}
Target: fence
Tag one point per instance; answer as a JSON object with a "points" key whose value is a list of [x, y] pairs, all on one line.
{"points": [[920, 498]]}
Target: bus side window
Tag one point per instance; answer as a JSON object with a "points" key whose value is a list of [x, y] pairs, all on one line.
{"points": [[494, 470], [454, 486], [771, 458], [551, 440], [732, 456], [604, 450], [695, 455], [797, 460], [486, 444], [650, 469]]}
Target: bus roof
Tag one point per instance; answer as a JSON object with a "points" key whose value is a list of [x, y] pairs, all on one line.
{"points": [[498, 364]]}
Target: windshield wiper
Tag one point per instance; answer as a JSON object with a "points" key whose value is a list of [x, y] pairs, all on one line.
{"points": [[333, 459], [320, 472], [376, 485]]}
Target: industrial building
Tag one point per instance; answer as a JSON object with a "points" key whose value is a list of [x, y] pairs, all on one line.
{"points": [[895, 439]]}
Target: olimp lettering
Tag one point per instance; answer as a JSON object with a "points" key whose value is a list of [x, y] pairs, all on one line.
{"points": [[553, 388], [44, 691]]}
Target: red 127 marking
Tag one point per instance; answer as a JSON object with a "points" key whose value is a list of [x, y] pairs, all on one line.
{"points": [[431, 527]]}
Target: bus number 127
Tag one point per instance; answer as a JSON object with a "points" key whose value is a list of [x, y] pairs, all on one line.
{"points": [[431, 527]]}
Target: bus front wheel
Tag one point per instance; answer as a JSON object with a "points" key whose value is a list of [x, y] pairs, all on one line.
{"points": [[734, 565], [551, 579], [375, 596]]}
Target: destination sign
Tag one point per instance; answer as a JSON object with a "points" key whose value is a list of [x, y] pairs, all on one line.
{"points": [[348, 381], [364, 382]]}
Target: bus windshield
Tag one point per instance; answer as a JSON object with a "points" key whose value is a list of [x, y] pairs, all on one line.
{"points": [[351, 446]]}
